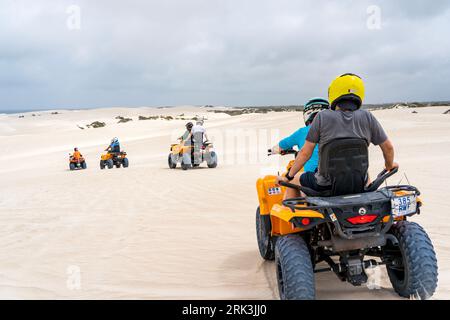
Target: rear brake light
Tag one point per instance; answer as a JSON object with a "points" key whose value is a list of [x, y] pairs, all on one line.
{"points": [[362, 219], [305, 221]]}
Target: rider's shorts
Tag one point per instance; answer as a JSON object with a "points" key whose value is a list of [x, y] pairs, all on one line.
{"points": [[308, 179]]}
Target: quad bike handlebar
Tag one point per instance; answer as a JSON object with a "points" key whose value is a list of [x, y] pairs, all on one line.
{"points": [[283, 152], [381, 177]]}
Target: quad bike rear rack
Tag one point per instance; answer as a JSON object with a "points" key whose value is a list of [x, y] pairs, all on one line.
{"points": [[325, 206]]}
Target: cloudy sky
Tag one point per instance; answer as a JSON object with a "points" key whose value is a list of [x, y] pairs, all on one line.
{"points": [[81, 53]]}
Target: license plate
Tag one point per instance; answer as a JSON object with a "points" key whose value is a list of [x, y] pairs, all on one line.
{"points": [[403, 205]]}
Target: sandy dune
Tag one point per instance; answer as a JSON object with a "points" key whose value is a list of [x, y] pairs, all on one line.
{"points": [[149, 232]]}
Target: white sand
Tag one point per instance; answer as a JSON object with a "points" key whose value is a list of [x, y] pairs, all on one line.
{"points": [[148, 232]]}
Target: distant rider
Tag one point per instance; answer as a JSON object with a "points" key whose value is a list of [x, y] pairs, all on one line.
{"points": [[76, 154], [114, 147], [187, 134], [199, 137], [199, 132], [298, 138]]}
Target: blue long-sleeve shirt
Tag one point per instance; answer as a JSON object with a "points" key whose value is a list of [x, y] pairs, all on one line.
{"points": [[298, 139]]}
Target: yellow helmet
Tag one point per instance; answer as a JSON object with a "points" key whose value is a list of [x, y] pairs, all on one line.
{"points": [[348, 86]]}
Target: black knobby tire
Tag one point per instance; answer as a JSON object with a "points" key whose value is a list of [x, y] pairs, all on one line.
{"points": [[102, 164], [125, 162], [72, 166], [172, 165], [117, 165], [265, 241], [295, 274], [185, 166], [213, 158], [83, 165], [109, 163], [417, 276]]}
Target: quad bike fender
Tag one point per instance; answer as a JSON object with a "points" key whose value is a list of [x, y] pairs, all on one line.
{"points": [[281, 218], [106, 156], [178, 148], [175, 149], [269, 193]]}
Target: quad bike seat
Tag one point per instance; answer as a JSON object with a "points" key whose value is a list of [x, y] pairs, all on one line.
{"points": [[346, 162]]}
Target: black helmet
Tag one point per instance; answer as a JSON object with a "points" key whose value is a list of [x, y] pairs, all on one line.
{"points": [[189, 126], [75, 149]]}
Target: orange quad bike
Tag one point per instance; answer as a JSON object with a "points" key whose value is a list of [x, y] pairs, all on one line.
{"points": [[336, 230], [192, 156], [111, 159], [76, 163]]}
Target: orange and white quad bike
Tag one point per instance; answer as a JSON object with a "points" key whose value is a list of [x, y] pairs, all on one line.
{"points": [[192, 155], [342, 226]]}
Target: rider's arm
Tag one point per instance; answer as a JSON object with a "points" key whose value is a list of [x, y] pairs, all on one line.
{"points": [[295, 139], [307, 150], [379, 138], [388, 154], [302, 157], [187, 138]]}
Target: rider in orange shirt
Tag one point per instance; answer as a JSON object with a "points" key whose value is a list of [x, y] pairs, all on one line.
{"points": [[76, 154]]}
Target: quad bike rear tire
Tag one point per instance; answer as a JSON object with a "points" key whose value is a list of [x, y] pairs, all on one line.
{"points": [[295, 273], [416, 277], [172, 164], [125, 162], [185, 166], [72, 166], [265, 241], [102, 164], [117, 165], [83, 165], [109, 164], [212, 163]]}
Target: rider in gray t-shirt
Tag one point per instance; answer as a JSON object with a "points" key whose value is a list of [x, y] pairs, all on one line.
{"points": [[330, 125], [344, 120]]}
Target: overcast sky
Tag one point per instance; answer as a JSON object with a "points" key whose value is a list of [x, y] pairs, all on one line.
{"points": [[220, 52]]}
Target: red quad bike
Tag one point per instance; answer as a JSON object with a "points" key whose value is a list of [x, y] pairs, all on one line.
{"points": [[350, 228]]}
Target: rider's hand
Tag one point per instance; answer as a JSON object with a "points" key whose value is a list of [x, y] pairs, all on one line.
{"points": [[281, 179], [392, 167], [275, 149]]}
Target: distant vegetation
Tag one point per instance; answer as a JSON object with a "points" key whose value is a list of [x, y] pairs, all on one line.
{"points": [[236, 111], [148, 118], [179, 117], [123, 119], [96, 124]]}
